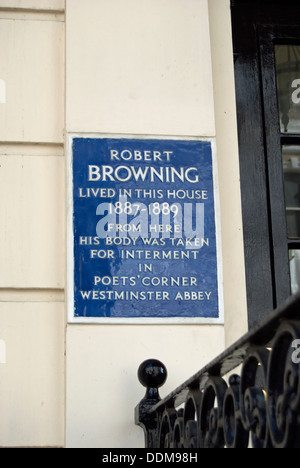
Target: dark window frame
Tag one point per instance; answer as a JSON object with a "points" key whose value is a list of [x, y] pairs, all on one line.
{"points": [[257, 25]]}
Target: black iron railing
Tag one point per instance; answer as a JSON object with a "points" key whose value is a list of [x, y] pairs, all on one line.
{"points": [[259, 406]]}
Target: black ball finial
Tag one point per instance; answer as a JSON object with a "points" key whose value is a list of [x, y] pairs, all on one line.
{"points": [[152, 374]]}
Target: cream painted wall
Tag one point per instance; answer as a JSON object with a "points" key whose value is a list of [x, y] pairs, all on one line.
{"points": [[39, 5], [32, 66], [235, 301], [149, 68], [32, 378], [102, 384], [32, 191], [139, 67], [32, 220]]}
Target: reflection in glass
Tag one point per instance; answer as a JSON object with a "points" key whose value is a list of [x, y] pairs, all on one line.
{"points": [[288, 87], [291, 170]]}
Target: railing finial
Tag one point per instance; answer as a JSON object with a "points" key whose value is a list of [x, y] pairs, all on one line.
{"points": [[152, 374]]}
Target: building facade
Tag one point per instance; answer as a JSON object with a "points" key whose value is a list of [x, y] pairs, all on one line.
{"points": [[134, 70]]}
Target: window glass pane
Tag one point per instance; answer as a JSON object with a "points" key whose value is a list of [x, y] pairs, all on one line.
{"points": [[288, 87], [291, 170]]}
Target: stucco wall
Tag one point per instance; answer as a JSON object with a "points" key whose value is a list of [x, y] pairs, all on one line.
{"points": [[122, 67], [32, 218]]}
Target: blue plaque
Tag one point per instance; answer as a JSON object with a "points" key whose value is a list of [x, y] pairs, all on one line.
{"points": [[144, 242]]}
